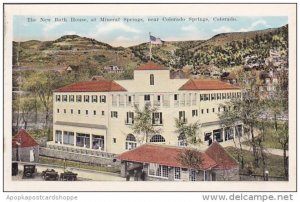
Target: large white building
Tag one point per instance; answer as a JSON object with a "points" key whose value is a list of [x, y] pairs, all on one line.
{"points": [[98, 115]]}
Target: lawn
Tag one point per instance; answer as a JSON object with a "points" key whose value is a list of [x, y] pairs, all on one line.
{"points": [[274, 163], [270, 140], [89, 166]]}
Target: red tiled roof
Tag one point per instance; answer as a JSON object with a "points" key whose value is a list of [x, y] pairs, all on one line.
{"points": [[24, 139], [92, 86], [195, 84], [221, 156], [151, 66], [163, 155]]}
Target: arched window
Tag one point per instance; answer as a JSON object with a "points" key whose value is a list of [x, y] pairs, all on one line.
{"points": [[182, 142], [157, 139], [151, 79], [130, 142]]}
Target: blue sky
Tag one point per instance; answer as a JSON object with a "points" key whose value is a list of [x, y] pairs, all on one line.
{"points": [[124, 33]]}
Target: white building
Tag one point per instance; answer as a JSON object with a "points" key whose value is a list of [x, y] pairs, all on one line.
{"points": [[98, 115]]}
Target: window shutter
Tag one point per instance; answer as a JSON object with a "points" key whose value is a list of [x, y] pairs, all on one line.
{"points": [[160, 116]]}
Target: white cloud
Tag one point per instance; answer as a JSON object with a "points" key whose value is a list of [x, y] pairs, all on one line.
{"points": [[254, 26], [70, 33], [51, 26], [189, 28], [126, 41], [112, 26], [259, 22], [222, 29]]}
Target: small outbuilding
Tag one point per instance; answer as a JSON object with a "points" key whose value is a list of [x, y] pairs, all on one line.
{"points": [[24, 147], [154, 162]]}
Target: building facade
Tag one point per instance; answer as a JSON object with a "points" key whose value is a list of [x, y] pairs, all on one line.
{"points": [[98, 115]]}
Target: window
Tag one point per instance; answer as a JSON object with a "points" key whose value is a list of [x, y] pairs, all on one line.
{"points": [[68, 138], [219, 109], [102, 113], [65, 111], [202, 111], [115, 140], [217, 135], [176, 97], [130, 142], [194, 113], [228, 133], [151, 79], [95, 112], [182, 142], [192, 175], [94, 98], [78, 98], [223, 96], [71, 98], [157, 118], [114, 114], [157, 170], [86, 112], [102, 98], [64, 98], [98, 142], [86, 98], [213, 109], [129, 118], [207, 110], [58, 98], [147, 97], [213, 96], [177, 173], [71, 111], [78, 111], [158, 139], [201, 97], [58, 136], [83, 140], [182, 116], [58, 111]]}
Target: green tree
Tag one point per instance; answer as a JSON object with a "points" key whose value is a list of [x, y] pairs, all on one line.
{"points": [[143, 125], [27, 105], [42, 84], [246, 110], [282, 135], [189, 130], [190, 158]]}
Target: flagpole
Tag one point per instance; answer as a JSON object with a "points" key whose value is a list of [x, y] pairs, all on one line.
{"points": [[150, 46]]}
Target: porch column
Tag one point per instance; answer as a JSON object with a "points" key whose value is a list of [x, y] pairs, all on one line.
{"points": [[234, 133], [223, 134], [123, 168], [62, 137], [75, 134], [91, 142]]}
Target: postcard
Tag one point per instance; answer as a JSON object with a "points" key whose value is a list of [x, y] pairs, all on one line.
{"points": [[150, 97]]}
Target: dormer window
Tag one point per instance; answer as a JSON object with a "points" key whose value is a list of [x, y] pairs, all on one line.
{"points": [[151, 79]]}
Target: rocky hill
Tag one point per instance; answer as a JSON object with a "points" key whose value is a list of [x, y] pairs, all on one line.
{"points": [[222, 50]]}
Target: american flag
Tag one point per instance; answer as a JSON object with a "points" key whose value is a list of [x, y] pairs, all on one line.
{"points": [[155, 40]]}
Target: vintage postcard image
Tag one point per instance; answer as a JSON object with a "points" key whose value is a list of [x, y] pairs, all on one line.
{"points": [[115, 96]]}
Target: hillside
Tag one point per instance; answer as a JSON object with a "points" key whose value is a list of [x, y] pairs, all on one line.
{"points": [[222, 50], [69, 50]]}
